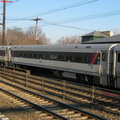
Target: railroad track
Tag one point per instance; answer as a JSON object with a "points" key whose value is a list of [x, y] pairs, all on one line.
{"points": [[104, 99], [77, 93], [96, 98], [52, 109]]}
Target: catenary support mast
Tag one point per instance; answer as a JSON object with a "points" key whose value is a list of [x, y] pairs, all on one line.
{"points": [[4, 21]]}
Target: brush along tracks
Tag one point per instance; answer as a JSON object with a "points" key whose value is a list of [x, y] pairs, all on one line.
{"points": [[52, 109]]}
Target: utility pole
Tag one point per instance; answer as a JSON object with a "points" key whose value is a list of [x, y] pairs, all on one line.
{"points": [[4, 16], [4, 19], [36, 29]]}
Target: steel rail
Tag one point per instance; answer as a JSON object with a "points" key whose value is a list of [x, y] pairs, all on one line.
{"points": [[38, 107], [65, 92], [58, 102]]}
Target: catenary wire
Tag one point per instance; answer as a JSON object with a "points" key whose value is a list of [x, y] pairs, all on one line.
{"points": [[59, 9], [89, 17], [13, 1], [83, 18]]}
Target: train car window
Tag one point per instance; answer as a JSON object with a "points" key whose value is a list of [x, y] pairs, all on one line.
{"points": [[34, 55], [1, 53], [17, 55], [20, 55], [25, 55], [69, 58], [85, 59], [53, 57], [44, 56], [40, 56], [78, 59], [60, 57], [30, 55], [104, 56], [118, 57]]}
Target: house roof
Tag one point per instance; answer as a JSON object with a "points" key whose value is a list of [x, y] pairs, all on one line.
{"points": [[95, 33], [113, 39]]}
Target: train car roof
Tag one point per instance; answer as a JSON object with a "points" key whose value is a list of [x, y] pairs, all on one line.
{"points": [[117, 48], [107, 40], [3, 47], [63, 48]]}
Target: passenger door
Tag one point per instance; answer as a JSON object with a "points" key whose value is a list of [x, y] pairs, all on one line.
{"points": [[104, 80], [104, 63], [118, 70]]}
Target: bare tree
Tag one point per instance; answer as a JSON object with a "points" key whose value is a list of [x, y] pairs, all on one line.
{"points": [[69, 40], [14, 36], [28, 41], [42, 39], [30, 32]]}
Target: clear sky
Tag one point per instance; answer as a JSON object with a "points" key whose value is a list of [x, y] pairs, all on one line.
{"points": [[64, 17]]}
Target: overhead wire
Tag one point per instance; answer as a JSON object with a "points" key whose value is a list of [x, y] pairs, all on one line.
{"points": [[70, 20], [81, 18], [77, 19], [13, 1], [67, 26], [89, 17], [59, 9], [64, 7]]}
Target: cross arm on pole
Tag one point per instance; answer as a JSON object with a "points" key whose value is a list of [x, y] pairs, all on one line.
{"points": [[6, 1]]}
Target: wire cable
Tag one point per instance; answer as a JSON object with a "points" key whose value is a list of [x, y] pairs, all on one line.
{"points": [[14, 1], [60, 25], [60, 8], [89, 17]]}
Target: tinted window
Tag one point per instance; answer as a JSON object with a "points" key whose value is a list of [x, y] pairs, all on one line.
{"points": [[76, 57], [104, 56], [118, 57]]}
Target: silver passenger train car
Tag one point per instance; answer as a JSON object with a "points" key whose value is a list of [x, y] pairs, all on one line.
{"points": [[94, 63]]}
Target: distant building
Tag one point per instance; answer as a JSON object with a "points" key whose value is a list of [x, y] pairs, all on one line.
{"points": [[108, 33], [96, 35], [111, 39]]}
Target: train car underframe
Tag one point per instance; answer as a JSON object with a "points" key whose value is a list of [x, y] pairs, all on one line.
{"points": [[82, 78]]}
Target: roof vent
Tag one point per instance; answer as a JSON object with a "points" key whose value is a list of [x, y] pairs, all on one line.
{"points": [[88, 47]]}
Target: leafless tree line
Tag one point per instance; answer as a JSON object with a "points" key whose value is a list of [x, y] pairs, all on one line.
{"points": [[69, 40], [16, 36]]}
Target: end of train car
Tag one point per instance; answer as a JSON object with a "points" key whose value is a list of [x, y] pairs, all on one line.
{"points": [[4, 55]]}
